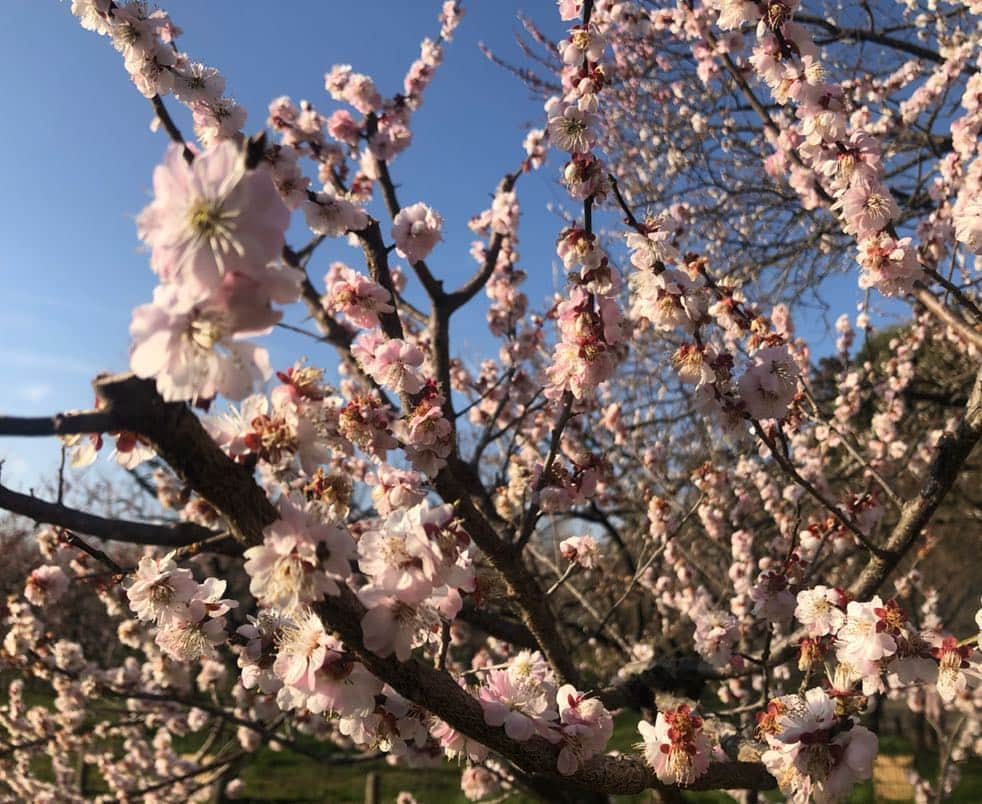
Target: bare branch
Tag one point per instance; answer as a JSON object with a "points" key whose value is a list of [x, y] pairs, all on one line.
{"points": [[467, 291], [117, 530]]}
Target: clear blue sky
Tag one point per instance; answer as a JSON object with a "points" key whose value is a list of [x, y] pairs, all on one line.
{"points": [[78, 156]]}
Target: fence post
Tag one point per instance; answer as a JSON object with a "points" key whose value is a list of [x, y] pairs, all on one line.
{"points": [[372, 791]]}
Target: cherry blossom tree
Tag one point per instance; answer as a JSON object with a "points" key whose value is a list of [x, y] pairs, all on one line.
{"points": [[653, 504]]}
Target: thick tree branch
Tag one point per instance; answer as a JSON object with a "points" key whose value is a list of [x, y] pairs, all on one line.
{"points": [[176, 434], [440, 694], [377, 260], [497, 625], [63, 424], [949, 317], [179, 438], [453, 486]]}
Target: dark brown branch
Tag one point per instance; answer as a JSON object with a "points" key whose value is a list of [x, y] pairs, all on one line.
{"points": [[867, 35], [99, 555], [831, 507], [179, 438], [171, 128], [458, 484], [683, 675], [497, 626], [948, 317], [956, 291], [377, 260], [467, 291], [117, 530], [97, 421], [532, 513], [433, 287]]}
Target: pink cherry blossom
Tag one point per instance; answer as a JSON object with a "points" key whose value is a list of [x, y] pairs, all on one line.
{"points": [[211, 218], [820, 610], [355, 295], [521, 708], [390, 625], [160, 588], [302, 558], [416, 230], [586, 728], [675, 747], [192, 354], [478, 783], [391, 362], [769, 383], [302, 649], [330, 214], [860, 642], [582, 550], [46, 585]]}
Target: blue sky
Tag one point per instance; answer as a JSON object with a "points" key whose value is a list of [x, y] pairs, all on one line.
{"points": [[78, 157]]}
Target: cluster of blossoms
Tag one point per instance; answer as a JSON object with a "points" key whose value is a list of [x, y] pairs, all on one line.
{"points": [[590, 321], [418, 564], [416, 230], [391, 362], [146, 40], [817, 751], [582, 550], [716, 634], [301, 559], [46, 585], [355, 295], [685, 299], [189, 616], [523, 698], [215, 229], [426, 433], [291, 432], [873, 641]]}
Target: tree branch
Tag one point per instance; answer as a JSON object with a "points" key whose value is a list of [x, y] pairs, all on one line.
{"points": [[117, 530], [176, 434], [454, 301], [440, 694]]}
